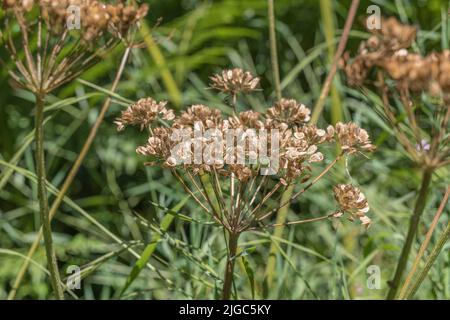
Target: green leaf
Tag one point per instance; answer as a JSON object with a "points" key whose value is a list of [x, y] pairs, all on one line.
{"points": [[250, 275]]}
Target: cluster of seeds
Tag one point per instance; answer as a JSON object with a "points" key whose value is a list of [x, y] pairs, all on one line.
{"points": [[71, 35], [234, 81], [95, 16], [198, 142], [387, 49], [298, 145], [386, 61], [352, 201]]}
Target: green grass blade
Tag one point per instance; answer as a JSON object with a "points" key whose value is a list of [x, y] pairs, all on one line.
{"points": [[151, 247]]}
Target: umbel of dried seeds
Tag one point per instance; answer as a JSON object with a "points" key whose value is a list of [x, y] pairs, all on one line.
{"points": [[71, 36], [241, 192]]}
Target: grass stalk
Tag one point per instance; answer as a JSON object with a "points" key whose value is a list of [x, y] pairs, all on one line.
{"points": [[326, 10], [273, 49], [425, 244], [43, 201], [160, 61], [429, 263], [71, 176], [412, 230], [283, 211], [278, 233], [340, 50]]}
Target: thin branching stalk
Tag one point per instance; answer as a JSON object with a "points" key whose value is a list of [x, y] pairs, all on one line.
{"points": [[42, 195], [425, 244], [412, 230], [72, 174], [340, 50], [327, 10]]}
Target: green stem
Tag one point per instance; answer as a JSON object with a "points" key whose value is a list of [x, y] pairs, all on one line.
{"points": [[413, 225], [327, 11], [273, 49], [72, 174], [42, 196], [229, 268], [429, 263]]}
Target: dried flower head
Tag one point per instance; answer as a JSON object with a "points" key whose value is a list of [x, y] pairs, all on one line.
{"points": [[209, 118], [143, 113], [352, 138], [288, 111], [65, 47], [351, 200], [393, 35], [407, 75], [233, 152], [234, 81]]}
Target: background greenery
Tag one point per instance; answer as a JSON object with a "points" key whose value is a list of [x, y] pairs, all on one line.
{"points": [[193, 40]]}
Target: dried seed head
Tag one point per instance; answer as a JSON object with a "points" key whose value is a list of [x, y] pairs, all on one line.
{"points": [[245, 120], [352, 138], [143, 113], [394, 35], [351, 200], [387, 50], [209, 118], [288, 111], [234, 81], [25, 5], [75, 32]]}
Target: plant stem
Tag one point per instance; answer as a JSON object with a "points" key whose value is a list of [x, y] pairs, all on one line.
{"points": [[229, 269], [273, 49], [424, 245], [42, 196], [327, 11], [413, 225], [71, 175], [340, 51], [429, 263]]}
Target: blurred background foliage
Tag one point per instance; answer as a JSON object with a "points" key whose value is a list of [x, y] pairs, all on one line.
{"points": [[113, 199]]}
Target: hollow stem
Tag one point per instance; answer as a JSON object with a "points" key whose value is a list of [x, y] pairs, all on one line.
{"points": [[42, 196], [412, 230], [229, 268]]}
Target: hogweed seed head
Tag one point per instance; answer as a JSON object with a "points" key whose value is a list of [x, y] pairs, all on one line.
{"points": [[234, 81], [248, 157], [288, 111], [352, 138], [352, 201], [72, 35], [411, 77], [143, 113]]}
